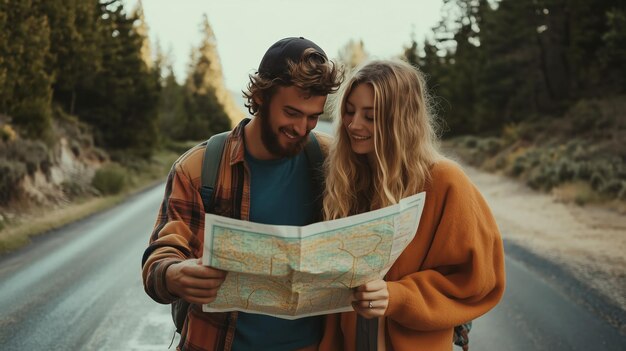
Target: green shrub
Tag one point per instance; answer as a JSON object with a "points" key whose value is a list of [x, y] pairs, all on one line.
{"points": [[33, 154], [583, 172], [511, 133], [490, 146], [7, 133], [583, 115], [544, 177], [471, 142], [500, 162], [597, 180], [518, 167], [612, 188], [566, 170], [10, 174], [33, 117], [77, 186], [537, 179], [71, 189], [110, 179]]}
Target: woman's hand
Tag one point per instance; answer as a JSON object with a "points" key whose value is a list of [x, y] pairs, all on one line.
{"points": [[371, 299]]}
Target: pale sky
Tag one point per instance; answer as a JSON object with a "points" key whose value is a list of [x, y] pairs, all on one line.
{"points": [[244, 29]]}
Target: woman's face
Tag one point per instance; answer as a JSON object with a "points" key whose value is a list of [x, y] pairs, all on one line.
{"points": [[358, 118]]}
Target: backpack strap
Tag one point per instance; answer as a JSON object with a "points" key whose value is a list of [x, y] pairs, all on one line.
{"points": [[314, 152], [316, 158], [210, 167]]}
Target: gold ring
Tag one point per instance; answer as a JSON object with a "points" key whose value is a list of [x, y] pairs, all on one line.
{"points": [[370, 305]]}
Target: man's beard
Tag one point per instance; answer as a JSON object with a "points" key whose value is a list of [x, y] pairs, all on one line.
{"points": [[270, 139]]}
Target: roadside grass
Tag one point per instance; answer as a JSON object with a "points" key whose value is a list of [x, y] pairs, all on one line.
{"points": [[17, 231]]}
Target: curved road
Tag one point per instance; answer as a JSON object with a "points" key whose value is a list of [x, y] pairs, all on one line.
{"points": [[79, 288]]}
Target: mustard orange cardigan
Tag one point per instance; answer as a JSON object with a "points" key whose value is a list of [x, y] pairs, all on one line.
{"points": [[461, 278]]}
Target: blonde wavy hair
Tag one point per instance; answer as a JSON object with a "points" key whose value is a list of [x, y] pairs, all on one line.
{"points": [[405, 142]]}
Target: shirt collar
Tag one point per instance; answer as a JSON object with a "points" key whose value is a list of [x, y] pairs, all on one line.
{"points": [[236, 139]]}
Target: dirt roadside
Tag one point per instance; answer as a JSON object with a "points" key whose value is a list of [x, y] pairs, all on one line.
{"points": [[587, 243]]}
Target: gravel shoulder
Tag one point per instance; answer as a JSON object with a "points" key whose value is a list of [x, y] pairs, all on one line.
{"points": [[580, 248]]}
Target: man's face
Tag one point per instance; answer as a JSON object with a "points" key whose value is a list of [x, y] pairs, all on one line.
{"points": [[287, 121]]}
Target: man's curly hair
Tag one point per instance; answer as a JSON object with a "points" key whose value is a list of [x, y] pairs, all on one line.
{"points": [[314, 74]]}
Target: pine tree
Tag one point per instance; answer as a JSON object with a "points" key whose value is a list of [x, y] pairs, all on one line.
{"points": [[141, 29], [411, 53], [613, 55], [204, 86], [121, 104], [588, 24], [25, 88], [433, 66], [455, 61], [6, 61], [512, 86], [353, 54], [521, 59], [172, 115], [75, 56]]}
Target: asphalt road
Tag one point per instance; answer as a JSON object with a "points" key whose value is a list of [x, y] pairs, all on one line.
{"points": [[79, 288]]}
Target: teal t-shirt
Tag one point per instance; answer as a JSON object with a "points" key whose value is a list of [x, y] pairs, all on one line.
{"points": [[280, 193]]}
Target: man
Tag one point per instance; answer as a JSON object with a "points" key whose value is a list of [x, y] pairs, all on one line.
{"points": [[264, 177]]}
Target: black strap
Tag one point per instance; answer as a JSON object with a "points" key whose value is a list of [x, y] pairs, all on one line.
{"points": [[210, 167], [314, 153], [315, 157], [367, 334], [212, 158]]}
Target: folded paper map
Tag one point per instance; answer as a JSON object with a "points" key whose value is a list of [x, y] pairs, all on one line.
{"points": [[293, 272]]}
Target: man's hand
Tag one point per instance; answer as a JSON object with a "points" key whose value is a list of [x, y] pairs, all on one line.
{"points": [[371, 299], [193, 282]]}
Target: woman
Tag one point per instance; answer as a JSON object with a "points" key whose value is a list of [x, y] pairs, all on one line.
{"points": [[453, 270]]}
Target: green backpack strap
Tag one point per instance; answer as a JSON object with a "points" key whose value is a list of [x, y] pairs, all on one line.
{"points": [[210, 167], [316, 170], [314, 153]]}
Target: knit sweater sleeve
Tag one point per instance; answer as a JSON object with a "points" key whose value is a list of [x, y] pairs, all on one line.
{"points": [[462, 276], [176, 235]]}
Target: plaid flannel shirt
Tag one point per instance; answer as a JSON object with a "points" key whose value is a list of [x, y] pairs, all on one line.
{"points": [[179, 232]]}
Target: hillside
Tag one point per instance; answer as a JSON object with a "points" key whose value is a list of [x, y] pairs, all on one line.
{"points": [[579, 157], [48, 184], [47, 172]]}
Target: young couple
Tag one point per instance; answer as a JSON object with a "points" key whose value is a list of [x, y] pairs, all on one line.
{"points": [[384, 149]]}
